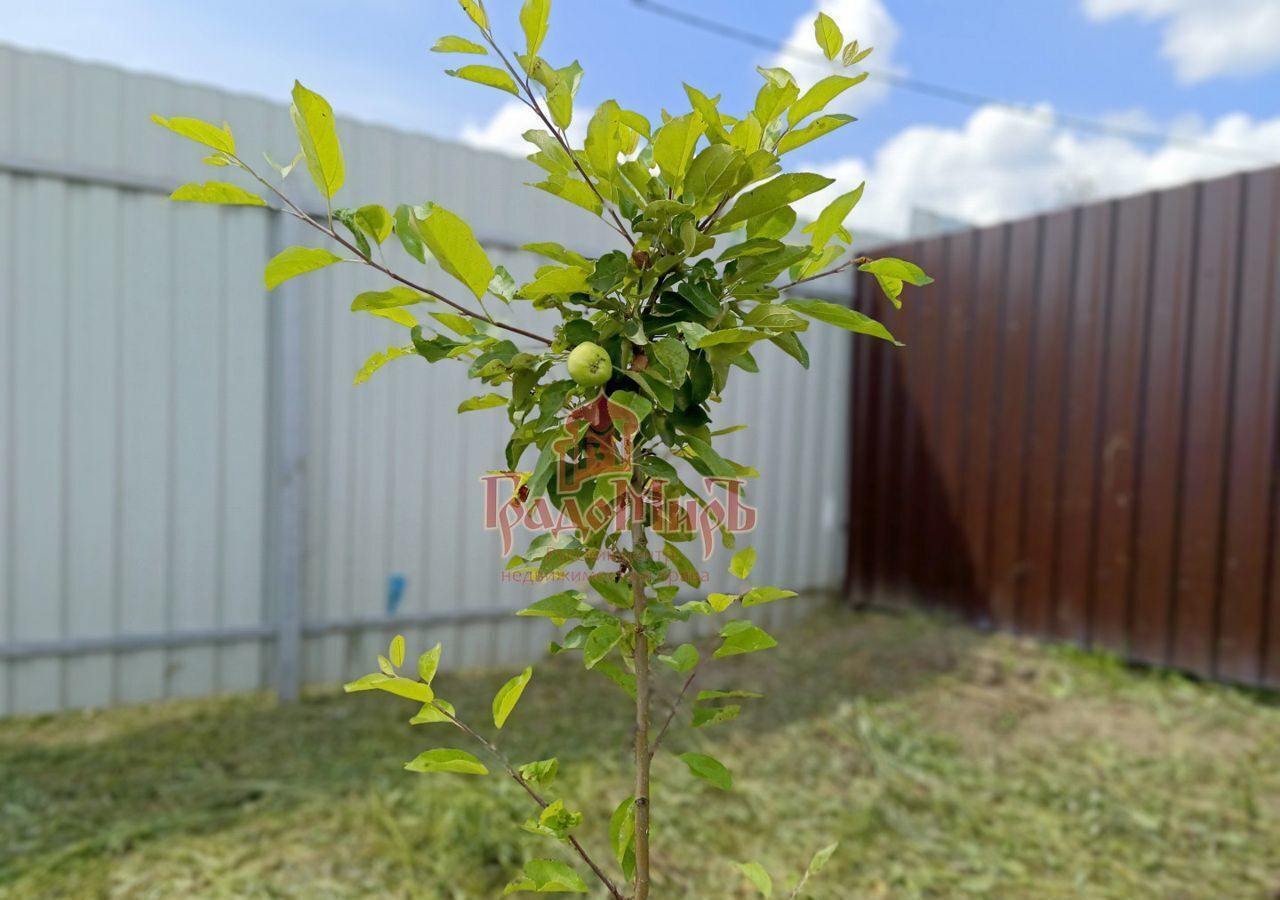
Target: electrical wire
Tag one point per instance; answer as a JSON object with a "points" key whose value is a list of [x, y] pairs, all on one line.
{"points": [[953, 95]]}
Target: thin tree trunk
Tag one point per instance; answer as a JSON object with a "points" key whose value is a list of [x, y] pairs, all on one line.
{"points": [[639, 550]]}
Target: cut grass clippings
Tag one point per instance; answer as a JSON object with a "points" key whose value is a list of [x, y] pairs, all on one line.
{"points": [[947, 763]]}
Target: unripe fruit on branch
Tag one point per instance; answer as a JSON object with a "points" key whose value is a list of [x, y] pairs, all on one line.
{"points": [[589, 365]]}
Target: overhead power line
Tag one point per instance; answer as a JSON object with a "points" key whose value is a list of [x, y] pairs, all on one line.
{"points": [[954, 95]]}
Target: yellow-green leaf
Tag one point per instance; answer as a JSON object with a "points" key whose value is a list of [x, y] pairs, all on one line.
{"points": [[217, 192], [741, 636], [817, 128], [428, 663], [396, 650], [475, 10], [508, 695], [434, 712], [399, 316], [684, 566], [461, 325], [453, 244], [452, 43], [392, 684], [831, 219], [568, 280], [756, 596], [375, 221], [759, 877], [720, 602], [485, 401], [674, 144], [490, 76], [575, 191], [781, 191], [378, 360], [828, 35], [547, 876], [534, 16], [391, 298], [201, 132], [294, 261], [817, 97], [459, 762], [317, 133]]}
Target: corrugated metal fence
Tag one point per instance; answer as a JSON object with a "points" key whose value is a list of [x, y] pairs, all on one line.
{"points": [[1080, 439], [193, 496]]}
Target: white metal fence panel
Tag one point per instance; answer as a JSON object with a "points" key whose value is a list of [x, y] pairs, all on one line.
{"points": [[187, 472]]}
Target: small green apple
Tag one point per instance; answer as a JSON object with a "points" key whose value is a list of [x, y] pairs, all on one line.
{"points": [[589, 365]]}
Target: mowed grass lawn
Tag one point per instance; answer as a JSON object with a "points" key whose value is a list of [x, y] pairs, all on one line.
{"points": [[947, 763]]}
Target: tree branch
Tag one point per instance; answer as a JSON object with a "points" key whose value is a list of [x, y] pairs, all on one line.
{"points": [[537, 798], [843, 267], [561, 138], [675, 706], [332, 233]]}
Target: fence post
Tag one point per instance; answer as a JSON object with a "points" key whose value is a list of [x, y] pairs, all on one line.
{"points": [[286, 488]]}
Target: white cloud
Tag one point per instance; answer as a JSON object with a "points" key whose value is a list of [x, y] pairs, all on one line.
{"points": [[997, 166], [866, 21], [502, 133], [1205, 39]]}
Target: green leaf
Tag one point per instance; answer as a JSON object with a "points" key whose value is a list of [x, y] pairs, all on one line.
{"points": [[428, 663], [811, 132], [633, 403], [756, 874], [717, 464], [392, 684], [375, 221], [552, 250], [756, 596], [475, 10], [217, 192], [490, 76], [682, 659], [508, 695], [714, 172], [615, 592], [391, 298], [708, 769], [685, 568], [396, 650], [201, 132], [720, 602], [622, 835], [452, 243], [841, 317], [294, 261], [624, 680], [283, 171], [434, 712], [547, 876], [452, 43], [713, 715], [378, 360], [541, 772], [831, 219], [406, 227], [502, 285], [673, 147], [569, 280], [573, 190], [891, 273], [742, 563], [484, 401], [781, 191], [534, 16], [602, 639], [460, 325], [459, 762], [741, 636], [313, 120], [817, 97], [722, 695], [821, 858], [830, 40], [706, 107]]}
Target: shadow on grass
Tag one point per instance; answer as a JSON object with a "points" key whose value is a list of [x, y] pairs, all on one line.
{"points": [[83, 785]]}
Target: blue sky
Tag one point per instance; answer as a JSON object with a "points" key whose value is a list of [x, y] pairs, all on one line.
{"points": [[1208, 70]]}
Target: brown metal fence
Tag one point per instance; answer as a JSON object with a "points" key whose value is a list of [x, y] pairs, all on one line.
{"points": [[1080, 439]]}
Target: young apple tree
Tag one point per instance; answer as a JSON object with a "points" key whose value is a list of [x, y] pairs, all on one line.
{"points": [[612, 401]]}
